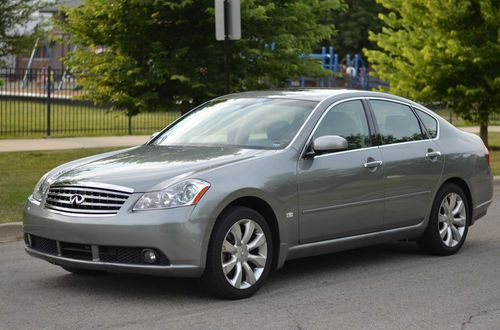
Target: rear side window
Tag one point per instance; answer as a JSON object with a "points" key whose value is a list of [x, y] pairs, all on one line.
{"points": [[429, 122], [348, 120], [397, 122]]}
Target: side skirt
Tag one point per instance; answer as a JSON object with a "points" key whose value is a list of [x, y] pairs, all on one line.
{"points": [[351, 242]]}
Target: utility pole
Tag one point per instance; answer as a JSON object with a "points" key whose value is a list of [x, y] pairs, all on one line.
{"points": [[227, 50], [227, 28]]}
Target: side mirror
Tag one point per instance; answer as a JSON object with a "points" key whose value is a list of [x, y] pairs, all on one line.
{"points": [[329, 143]]}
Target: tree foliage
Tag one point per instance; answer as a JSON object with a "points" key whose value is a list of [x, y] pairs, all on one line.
{"points": [[144, 55], [14, 17], [442, 50], [353, 24]]}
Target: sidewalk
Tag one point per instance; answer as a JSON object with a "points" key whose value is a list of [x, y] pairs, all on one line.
{"points": [[108, 141], [475, 129], [71, 143]]}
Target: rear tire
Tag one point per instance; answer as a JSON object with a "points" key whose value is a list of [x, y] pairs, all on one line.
{"points": [[449, 222], [239, 254], [83, 272]]}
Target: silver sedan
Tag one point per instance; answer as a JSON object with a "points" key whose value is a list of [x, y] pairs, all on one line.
{"points": [[244, 182]]}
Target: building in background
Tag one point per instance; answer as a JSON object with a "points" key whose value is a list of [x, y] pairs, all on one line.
{"points": [[47, 51]]}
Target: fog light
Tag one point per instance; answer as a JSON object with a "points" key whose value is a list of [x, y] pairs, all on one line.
{"points": [[149, 256]]}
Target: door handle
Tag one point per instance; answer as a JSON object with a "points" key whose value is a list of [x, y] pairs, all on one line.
{"points": [[375, 163], [433, 154]]}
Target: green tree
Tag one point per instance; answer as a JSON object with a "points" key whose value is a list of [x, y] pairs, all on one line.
{"points": [[353, 25], [143, 55], [442, 51], [14, 17]]}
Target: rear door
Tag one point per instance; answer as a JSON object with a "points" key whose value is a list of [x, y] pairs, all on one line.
{"points": [[413, 163]]}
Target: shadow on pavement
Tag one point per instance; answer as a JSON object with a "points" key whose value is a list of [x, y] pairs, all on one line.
{"points": [[295, 272]]}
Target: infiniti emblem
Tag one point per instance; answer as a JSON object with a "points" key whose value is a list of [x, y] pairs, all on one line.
{"points": [[77, 199]]}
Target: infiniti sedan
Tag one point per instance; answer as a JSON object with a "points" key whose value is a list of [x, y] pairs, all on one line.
{"points": [[245, 182]]}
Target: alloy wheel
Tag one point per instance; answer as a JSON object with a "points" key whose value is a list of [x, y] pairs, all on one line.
{"points": [[244, 253], [452, 219]]}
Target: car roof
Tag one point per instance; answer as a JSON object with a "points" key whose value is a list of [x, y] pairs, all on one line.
{"points": [[315, 94]]}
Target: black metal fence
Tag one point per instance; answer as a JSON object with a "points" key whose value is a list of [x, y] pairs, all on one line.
{"points": [[46, 102]]}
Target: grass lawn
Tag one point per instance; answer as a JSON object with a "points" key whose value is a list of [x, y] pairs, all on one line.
{"points": [[459, 122], [29, 120], [20, 171]]}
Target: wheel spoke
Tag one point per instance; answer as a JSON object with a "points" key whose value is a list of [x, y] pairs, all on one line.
{"points": [[448, 237], [259, 240], [446, 206], [458, 208], [238, 275], [257, 260], [228, 247], [228, 266], [456, 234], [453, 201], [236, 231], [249, 229], [442, 217], [250, 276], [443, 231], [460, 222]]}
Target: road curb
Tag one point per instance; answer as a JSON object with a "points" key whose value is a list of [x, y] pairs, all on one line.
{"points": [[11, 231]]}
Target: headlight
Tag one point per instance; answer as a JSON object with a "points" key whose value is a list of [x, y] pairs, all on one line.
{"points": [[41, 188], [183, 193]]}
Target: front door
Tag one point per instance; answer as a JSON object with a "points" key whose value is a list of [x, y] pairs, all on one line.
{"points": [[341, 194]]}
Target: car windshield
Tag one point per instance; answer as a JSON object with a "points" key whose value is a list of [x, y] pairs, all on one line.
{"points": [[262, 123]]}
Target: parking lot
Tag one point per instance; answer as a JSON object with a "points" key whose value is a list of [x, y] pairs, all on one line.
{"points": [[383, 287]]}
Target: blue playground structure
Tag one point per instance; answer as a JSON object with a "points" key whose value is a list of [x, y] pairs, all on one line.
{"points": [[347, 73]]}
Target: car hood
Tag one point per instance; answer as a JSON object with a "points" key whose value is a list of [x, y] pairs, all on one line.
{"points": [[147, 168]]}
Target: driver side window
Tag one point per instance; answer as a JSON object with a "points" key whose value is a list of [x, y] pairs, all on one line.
{"points": [[347, 120]]}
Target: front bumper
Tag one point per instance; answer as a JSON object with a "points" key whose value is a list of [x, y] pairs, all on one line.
{"points": [[180, 238], [170, 270]]}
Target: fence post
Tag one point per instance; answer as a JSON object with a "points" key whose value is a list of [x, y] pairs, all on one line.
{"points": [[49, 83], [129, 124]]}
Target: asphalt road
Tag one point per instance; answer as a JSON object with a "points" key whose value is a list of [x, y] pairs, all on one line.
{"points": [[392, 286]]}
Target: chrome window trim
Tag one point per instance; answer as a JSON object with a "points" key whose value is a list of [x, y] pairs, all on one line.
{"points": [[345, 152], [403, 143], [308, 140]]}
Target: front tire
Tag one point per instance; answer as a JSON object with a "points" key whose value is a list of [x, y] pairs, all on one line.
{"points": [[449, 222], [239, 254]]}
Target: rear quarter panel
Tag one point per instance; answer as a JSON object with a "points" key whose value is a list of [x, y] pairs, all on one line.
{"points": [[465, 158]]}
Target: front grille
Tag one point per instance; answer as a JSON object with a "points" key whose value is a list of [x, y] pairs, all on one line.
{"points": [[85, 200], [44, 245], [128, 255]]}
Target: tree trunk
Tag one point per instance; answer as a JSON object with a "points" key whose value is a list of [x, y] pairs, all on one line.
{"points": [[483, 133]]}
